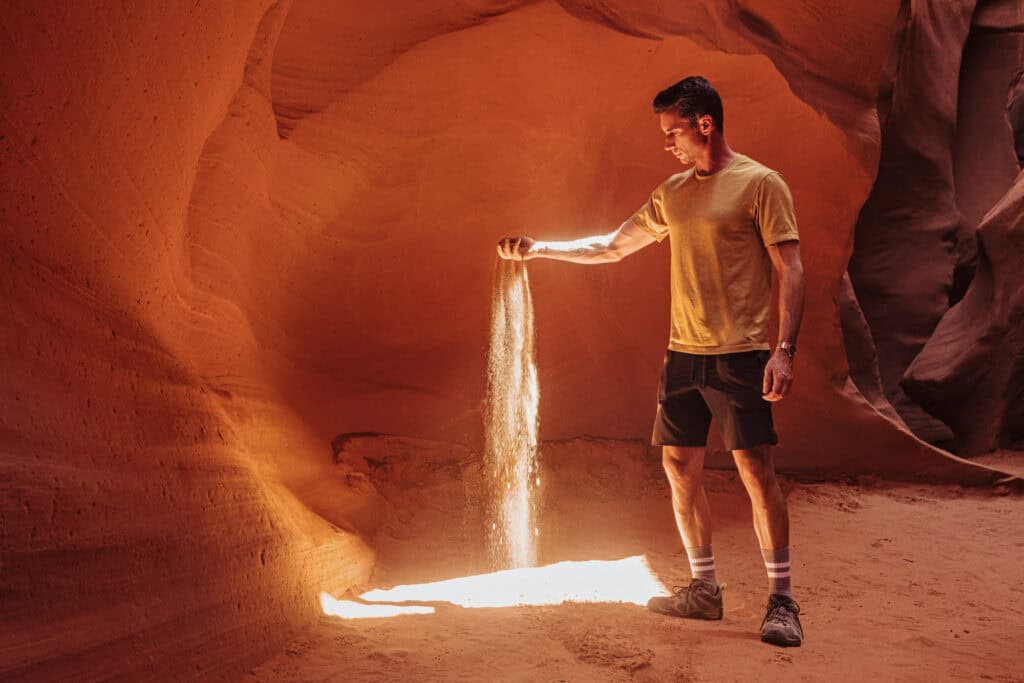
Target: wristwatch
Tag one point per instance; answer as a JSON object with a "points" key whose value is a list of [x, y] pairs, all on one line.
{"points": [[789, 347]]}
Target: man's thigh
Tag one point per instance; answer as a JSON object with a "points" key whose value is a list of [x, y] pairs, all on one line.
{"points": [[683, 416], [733, 395]]}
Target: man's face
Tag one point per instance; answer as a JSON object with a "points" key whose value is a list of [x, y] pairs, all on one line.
{"points": [[682, 139]]}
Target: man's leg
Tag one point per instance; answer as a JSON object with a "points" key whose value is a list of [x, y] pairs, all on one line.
{"points": [[781, 625], [681, 429], [702, 599], [771, 516], [684, 466]]}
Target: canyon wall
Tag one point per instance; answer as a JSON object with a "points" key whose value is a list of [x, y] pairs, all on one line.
{"points": [[949, 108], [148, 521]]}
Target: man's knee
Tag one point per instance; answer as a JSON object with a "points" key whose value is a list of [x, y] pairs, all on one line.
{"points": [[757, 471], [683, 464]]}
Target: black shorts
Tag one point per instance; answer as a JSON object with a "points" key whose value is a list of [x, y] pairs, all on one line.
{"points": [[728, 386]]}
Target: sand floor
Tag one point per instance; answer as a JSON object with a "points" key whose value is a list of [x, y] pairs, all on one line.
{"points": [[895, 581]]}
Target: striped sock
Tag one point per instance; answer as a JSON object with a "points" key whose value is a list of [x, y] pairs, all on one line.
{"points": [[776, 561], [702, 563]]}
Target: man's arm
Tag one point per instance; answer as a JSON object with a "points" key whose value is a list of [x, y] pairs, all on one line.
{"points": [[609, 248], [778, 374]]}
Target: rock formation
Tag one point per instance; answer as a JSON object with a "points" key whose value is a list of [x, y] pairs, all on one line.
{"points": [[149, 520], [948, 155], [231, 231], [905, 241], [971, 371]]}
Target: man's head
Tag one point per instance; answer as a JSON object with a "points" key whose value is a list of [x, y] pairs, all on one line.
{"points": [[690, 112]]}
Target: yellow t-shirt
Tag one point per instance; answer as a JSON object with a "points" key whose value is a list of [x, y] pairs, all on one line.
{"points": [[719, 226]]}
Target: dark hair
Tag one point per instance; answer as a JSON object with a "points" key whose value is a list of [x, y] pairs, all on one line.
{"points": [[692, 97]]}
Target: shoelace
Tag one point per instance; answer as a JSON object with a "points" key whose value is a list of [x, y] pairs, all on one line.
{"points": [[679, 590], [780, 611], [685, 593]]}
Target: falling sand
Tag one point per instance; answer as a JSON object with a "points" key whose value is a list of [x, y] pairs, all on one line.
{"points": [[511, 421]]}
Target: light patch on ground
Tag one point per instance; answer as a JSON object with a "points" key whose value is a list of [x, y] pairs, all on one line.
{"points": [[629, 580]]}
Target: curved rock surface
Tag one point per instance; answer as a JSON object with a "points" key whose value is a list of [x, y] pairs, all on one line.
{"points": [[971, 372], [985, 160], [948, 155], [194, 305], [905, 242], [149, 526]]}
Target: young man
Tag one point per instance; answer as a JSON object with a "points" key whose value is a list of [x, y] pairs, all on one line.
{"points": [[729, 221]]}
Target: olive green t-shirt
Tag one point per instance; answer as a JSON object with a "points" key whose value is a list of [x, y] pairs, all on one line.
{"points": [[719, 226]]}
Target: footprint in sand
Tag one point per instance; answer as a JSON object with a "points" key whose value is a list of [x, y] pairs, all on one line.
{"points": [[607, 650]]}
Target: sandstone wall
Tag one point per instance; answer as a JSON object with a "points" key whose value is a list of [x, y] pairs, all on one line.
{"points": [[148, 526], [948, 103]]}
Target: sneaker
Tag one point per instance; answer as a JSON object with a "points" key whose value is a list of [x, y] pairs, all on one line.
{"points": [[781, 625], [700, 600]]}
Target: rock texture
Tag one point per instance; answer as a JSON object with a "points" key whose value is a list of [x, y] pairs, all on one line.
{"points": [[149, 521], [231, 231], [971, 371], [948, 156], [906, 236], [985, 160]]}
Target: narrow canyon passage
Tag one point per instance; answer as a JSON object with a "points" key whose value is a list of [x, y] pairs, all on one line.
{"points": [[246, 253]]}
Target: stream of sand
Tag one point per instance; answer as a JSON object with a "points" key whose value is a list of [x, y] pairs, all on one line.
{"points": [[510, 454]]}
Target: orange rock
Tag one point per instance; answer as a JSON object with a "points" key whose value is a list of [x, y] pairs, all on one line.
{"points": [[905, 240], [971, 371]]}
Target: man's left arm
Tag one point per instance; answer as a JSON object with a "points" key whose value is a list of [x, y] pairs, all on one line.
{"points": [[778, 374]]}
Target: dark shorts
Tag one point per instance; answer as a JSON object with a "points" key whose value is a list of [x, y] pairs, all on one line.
{"points": [[727, 387]]}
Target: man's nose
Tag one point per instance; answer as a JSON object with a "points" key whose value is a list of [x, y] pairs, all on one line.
{"points": [[669, 144]]}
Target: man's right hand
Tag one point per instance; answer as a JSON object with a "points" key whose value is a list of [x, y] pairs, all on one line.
{"points": [[517, 248]]}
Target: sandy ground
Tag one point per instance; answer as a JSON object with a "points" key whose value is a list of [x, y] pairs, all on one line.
{"points": [[895, 581]]}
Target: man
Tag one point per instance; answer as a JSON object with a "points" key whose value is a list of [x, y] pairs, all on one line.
{"points": [[729, 221]]}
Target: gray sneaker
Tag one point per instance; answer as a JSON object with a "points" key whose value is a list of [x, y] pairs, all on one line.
{"points": [[781, 625], [700, 600]]}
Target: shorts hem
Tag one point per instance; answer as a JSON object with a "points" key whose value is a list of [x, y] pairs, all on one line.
{"points": [[681, 445], [753, 443]]}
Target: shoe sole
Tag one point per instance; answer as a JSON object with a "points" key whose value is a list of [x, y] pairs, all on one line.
{"points": [[688, 616], [782, 643]]}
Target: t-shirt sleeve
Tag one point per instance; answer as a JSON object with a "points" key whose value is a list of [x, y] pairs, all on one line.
{"points": [[773, 211], [651, 217]]}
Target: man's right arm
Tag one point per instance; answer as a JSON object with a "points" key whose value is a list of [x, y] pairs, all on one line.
{"points": [[609, 248]]}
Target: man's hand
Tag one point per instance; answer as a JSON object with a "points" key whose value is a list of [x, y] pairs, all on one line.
{"points": [[516, 248], [778, 376]]}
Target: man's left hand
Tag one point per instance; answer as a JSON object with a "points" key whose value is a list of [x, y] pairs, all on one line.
{"points": [[778, 376]]}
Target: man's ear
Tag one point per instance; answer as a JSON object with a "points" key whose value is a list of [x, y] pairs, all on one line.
{"points": [[705, 123]]}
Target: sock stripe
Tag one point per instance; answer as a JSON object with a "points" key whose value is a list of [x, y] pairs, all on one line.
{"points": [[702, 562], [777, 566]]}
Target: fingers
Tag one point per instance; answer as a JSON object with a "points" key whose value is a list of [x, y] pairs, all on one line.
{"points": [[776, 384], [511, 248], [505, 248]]}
